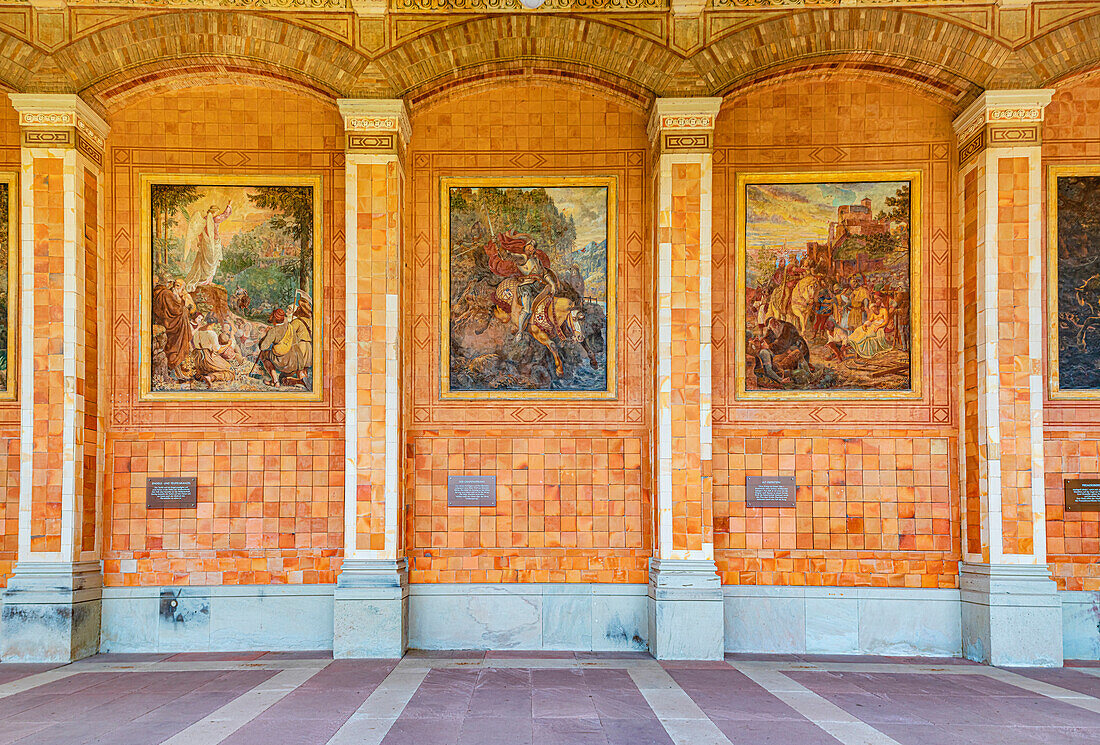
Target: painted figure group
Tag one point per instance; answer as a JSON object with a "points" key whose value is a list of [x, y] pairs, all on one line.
{"points": [[213, 347], [800, 305]]}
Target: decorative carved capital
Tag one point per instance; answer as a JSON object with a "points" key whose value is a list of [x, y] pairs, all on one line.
{"points": [[61, 120], [375, 124], [683, 124], [997, 108]]}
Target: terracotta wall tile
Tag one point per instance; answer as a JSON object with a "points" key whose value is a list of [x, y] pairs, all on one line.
{"points": [[1072, 428], [878, 481], [573, 477], [270, 475]]}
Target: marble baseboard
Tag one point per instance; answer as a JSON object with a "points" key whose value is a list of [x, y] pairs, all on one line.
{"points": [[227, 618], [1081, 625], [572, 617], [842, 620]]}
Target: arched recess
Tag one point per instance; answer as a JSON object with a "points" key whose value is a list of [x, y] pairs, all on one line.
{"points": [[931, 52], [505, 41], [1064, 53], [164, 44]]}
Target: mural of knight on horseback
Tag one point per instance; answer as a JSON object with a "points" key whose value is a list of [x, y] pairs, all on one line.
{"points": [[827, 294], [528, 276]]}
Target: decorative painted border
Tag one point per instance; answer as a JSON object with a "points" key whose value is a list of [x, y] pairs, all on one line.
{"points": [[11, 182], [916, 249], [1055, 392], [608, 182], [145, 289]]}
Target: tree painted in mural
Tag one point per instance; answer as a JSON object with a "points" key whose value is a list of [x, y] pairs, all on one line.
{"points": [[232, 288]]}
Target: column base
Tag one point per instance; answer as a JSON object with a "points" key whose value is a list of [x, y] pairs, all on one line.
{"points": [[685, 610], [51, 612], [371, 609], [1011, 615]]}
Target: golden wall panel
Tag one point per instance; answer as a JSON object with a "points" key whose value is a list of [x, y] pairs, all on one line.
{"points": [[1072, 428], [878, 481], [270, 474], [9, 410], [573, 476]]}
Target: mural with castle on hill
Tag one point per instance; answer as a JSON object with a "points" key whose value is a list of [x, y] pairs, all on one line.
{"points": [[827, 301], [529, 288], [7, 289], [231, 285]]}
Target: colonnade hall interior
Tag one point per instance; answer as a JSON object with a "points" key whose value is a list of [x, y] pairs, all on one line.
{"points": [[683, 326]]}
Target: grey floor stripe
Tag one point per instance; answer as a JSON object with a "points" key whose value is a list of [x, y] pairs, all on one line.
{"points": [[374, 718], [845, 727], [1081, 700], [681, 717], [33, 681], [243, 709]]}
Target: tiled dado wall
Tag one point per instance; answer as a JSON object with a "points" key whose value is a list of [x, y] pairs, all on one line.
{"points": [[574, 501], [878, 480], [1072, 428], [270, 475], [9, 410]]}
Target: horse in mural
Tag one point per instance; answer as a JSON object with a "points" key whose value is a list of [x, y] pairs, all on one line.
{"points": [[797, 308], [555, 319]]}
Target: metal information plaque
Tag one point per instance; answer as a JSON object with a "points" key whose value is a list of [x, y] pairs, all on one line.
{"points": [[471, 491], [172, 494], [776, 491], [1082, 495]]}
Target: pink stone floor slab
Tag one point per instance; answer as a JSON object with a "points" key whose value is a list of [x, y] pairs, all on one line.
{"points": [[544, 698]]}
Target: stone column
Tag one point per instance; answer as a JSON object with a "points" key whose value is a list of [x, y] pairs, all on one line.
{"points": [[685, 592], [1011, 614], [51, 609], [371, 597]]}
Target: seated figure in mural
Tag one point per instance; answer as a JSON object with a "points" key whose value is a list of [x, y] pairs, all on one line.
{"points": [[211, 366], [172, 309], [286, 350], [202, 246], [869, 339], [515, 255]]}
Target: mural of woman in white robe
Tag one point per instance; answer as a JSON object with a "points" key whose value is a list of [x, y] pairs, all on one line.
{"points": [[202, 248]]}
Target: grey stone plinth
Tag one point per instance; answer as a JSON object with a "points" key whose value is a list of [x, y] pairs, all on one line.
{"points": [[51, 612], [685, 610], [370, 613], [1011, 615]]}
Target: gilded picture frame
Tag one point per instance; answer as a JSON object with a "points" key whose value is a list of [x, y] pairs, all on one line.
{"points": [[1066, 330], [837, 181], [278, 231], [560, 231], [10, 273]]}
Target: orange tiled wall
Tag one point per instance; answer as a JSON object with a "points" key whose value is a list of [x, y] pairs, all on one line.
{"points": [[270, 475], [1072, 428], [9, 410], [878, 481], [573, 477], [972, 489]]}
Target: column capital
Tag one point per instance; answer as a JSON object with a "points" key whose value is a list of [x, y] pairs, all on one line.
{"points": [[375, 124], [683, 124], [1001, 118], [37, 110]]}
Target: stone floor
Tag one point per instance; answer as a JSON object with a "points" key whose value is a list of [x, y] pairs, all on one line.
{"points": [[559, 698]]}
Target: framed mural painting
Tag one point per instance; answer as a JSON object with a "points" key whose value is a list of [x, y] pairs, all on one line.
{"points": [[828, 296], [231, 288], [9, 285], [528, 288], [1073, 281]]}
